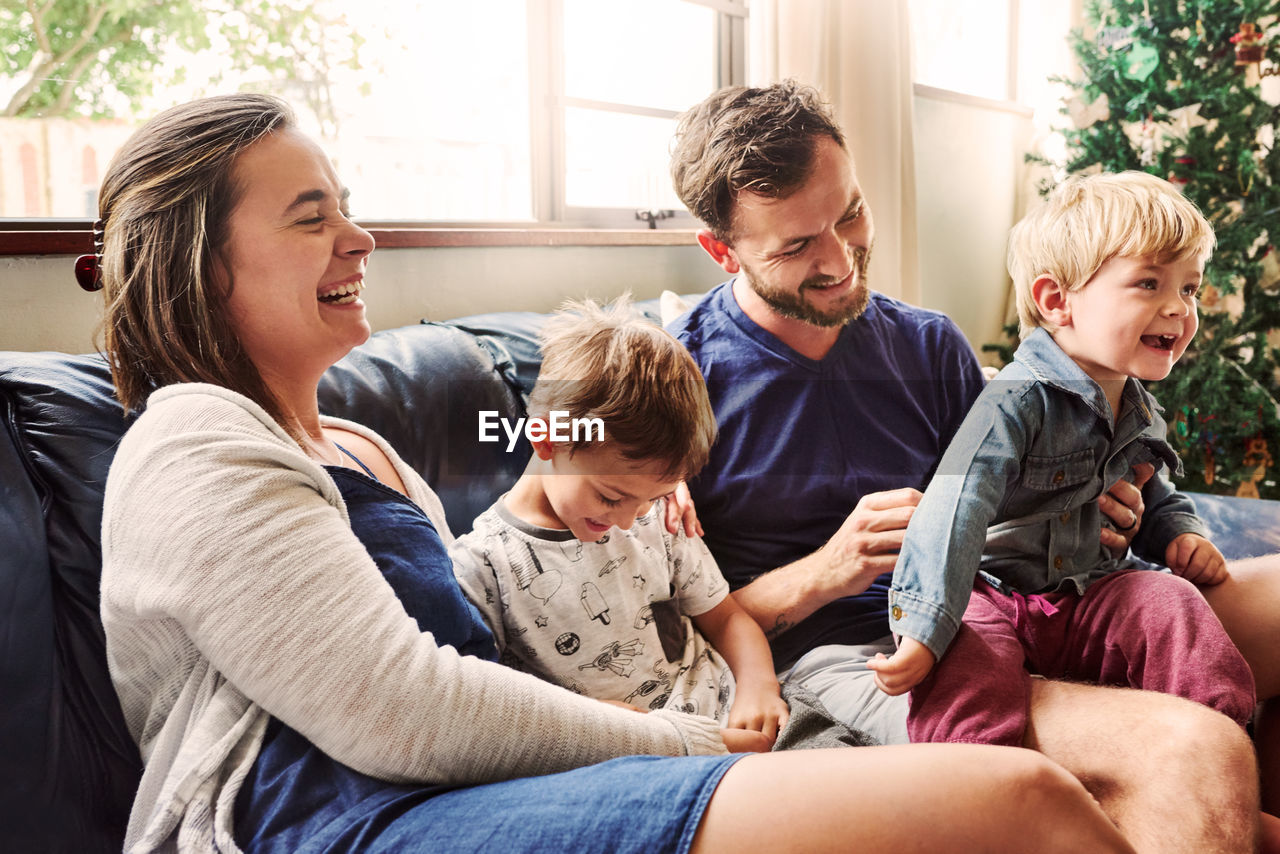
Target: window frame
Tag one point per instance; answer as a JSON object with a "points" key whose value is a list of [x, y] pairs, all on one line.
{"points": [[550, 206], [1009, 101], [554, 223]]}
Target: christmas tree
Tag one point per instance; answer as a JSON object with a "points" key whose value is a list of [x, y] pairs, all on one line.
{"points": [[1174, 87]]}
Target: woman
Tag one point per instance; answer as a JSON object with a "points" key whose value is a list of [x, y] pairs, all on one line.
{"points": [[289, 645]]}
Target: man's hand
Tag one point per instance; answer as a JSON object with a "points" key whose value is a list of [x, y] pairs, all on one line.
{"points": [[867, 544], [904, 670], [680, 511], [1123, 505], [865, 547], [1196, 559], [759, 708]]}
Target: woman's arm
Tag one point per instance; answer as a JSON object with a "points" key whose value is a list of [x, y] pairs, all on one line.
{"points": [[217, 525]]}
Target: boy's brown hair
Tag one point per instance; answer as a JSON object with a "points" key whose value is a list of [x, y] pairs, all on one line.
{"points": [[612, 364], [1088, 220]]}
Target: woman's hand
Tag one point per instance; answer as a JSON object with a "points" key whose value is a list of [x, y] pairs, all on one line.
{"points": [[621, 705], [1122, 504], [745, 741]]}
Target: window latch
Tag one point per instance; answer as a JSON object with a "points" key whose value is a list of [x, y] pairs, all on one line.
{"points": [[652, 215]]}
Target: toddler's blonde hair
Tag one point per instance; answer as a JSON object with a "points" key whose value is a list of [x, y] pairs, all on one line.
{"points": [[1088, 220]]}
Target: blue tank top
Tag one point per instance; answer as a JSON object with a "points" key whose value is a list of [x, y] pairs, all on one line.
{"points": [[296, 796]]}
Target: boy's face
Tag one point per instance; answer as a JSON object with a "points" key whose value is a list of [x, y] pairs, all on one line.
{"points": [[1134, 318], [597, 488]]}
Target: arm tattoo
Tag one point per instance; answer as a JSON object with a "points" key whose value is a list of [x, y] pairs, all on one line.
{"points": [[779, 626]]}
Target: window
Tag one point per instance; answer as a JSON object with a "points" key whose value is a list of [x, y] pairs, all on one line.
{"points": [[966, 46], [511, 112]]}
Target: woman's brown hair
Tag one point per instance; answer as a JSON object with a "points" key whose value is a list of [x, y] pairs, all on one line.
{"points": [[165, 204]]}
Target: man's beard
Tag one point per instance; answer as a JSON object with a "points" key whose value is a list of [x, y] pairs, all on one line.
{"points": [[796, 306]]}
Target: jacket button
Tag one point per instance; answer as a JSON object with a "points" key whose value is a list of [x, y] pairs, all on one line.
{"points": [[1057, 562], [1059, 476], [1064, 518], [897, 612]]}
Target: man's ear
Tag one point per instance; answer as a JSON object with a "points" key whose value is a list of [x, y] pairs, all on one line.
{"points": [[719, 251], [1050, 297]]}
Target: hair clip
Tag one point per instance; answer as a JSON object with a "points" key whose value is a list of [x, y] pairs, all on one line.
{"points": [[87, 272]]}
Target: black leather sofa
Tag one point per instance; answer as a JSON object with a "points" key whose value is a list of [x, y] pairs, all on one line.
{"points": [[67, 765]]}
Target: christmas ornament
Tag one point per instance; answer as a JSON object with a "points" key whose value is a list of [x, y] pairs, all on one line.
{"points": [[1180, 174], [1248, 42], [1257, 458], [1085, 115], [1148, 139], [1269, 277], [1142, 60], [1114, 38], [1186, 118], [1214, 301]]}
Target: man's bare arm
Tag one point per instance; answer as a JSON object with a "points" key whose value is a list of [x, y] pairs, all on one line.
{"points": [[865, 547]]}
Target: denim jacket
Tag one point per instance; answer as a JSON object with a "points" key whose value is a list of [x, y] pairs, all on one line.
{"points": [[1015, 495]]}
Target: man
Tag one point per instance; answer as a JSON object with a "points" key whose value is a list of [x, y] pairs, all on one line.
{"points": [[834, 403]]}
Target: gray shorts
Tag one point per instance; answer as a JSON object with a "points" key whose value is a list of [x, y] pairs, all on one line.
{"points": [[838, 674]]}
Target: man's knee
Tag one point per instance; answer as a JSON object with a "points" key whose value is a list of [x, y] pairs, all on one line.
{"points": [[1208, 753]]}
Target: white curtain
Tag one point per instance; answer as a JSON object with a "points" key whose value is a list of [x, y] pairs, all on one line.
{"points": [[858, 53]]}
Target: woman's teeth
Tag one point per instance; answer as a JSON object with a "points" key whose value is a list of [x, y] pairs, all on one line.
{"points": [[343, 293]]}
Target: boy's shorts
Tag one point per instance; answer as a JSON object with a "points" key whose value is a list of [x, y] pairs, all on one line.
{"points": [[838, 674]]}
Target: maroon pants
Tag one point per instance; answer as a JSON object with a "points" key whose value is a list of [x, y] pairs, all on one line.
{"points": [[1135, 628]]}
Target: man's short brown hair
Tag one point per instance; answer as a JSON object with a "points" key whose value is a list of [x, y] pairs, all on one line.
{"points": [[611, 363], [759, 140]]}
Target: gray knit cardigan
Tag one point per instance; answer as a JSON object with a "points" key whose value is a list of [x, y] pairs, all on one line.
{"points": [[233, 589]]}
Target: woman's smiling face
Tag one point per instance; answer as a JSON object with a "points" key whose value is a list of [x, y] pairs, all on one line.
{"points": [[294, 261]]}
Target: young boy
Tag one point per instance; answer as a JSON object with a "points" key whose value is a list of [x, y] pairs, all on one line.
{"points": [[1105, 274], [574, 569]]}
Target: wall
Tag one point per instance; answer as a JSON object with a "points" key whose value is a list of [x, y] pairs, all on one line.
{"points": [[44, 308], [969, 176]]}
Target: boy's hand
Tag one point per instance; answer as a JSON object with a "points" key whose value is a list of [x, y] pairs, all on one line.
{"points": [[904, 670], [759, 708], [1196, 559], [680, 511]]}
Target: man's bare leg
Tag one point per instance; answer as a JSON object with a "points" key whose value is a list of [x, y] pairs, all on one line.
{"points": [[1173, 775], [1248, 604], [1266, 738]]}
